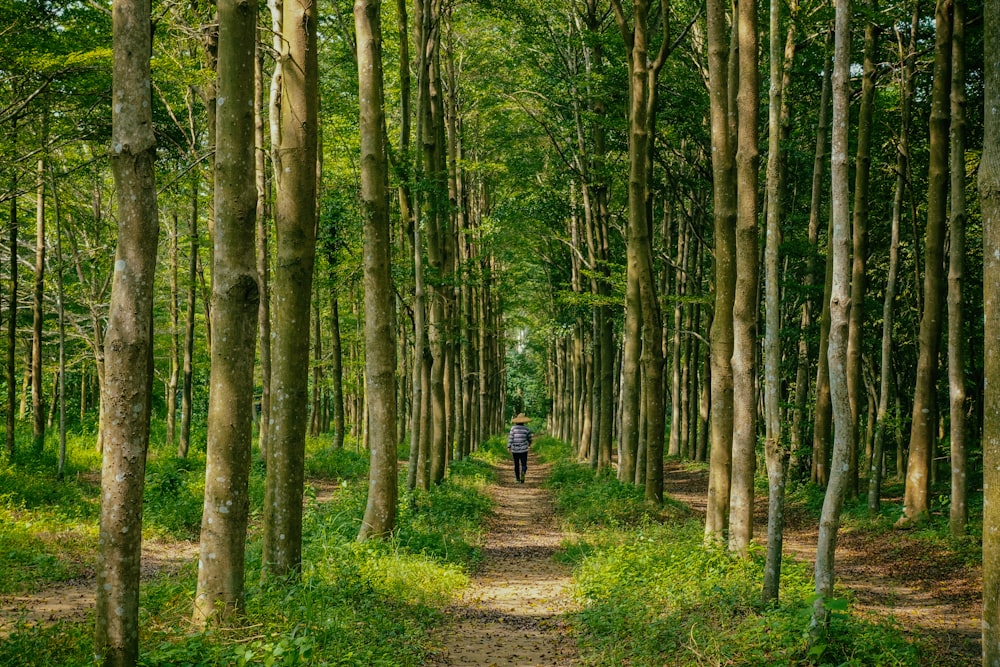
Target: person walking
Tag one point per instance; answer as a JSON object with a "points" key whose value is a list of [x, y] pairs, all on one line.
{"points": [[518, 442]]}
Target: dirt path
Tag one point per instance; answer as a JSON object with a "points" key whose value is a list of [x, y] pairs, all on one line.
{"points": [[926, 590], [74, 599], [511, 614]]}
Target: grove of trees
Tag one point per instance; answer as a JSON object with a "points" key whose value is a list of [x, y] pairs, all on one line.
{"points": [[670, 229]]}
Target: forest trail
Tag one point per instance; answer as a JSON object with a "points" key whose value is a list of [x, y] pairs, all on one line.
{"points": [[512, 612], [928, 591]]}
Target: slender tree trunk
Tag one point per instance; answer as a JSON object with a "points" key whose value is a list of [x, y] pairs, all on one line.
{"points": [[12, 327], [187, 388], [774, 452], [296, 248], [235, 311], [840, 303], [959, 512], [380, 325], [823, 419], [923, 430], [38, 316], [337, 373], [989, 197], [61, 313], [175, 343], [263, 254], [745, 306], [888, 309], [721, 334], [862, 178], [129, 353]]}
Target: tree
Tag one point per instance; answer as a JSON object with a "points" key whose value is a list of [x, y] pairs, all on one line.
{"points": [[380, 343], [959, 511], [721, 335], [840, 303], [923, 432], [295, 221], [38, 314], [989, 196], [235, 304], [745, 305], [127, 395]]}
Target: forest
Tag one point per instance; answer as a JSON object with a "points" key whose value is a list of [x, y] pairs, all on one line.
{"points": [[275, 277]]}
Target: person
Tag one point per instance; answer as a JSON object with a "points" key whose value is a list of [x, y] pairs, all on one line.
{"points": [[518, 442]]}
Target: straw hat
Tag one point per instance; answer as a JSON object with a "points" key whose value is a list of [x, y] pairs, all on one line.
{"points": [[521, 419]]}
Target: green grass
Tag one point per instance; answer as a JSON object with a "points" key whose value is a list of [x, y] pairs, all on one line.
{"points": [[652, 593], [354, 604]]}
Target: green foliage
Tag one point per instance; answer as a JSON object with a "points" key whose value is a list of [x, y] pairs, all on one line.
{"points": [[494, 450], [174, 494], [550, 449], [658, 595], [588, 502]]}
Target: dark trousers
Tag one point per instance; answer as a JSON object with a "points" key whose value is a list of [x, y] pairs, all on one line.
{"points": [[520, 465]]}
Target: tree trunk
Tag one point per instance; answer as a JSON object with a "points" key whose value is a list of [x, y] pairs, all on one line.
{"points": [[12, 328], [774, 452], [840, 303], [721, 333], [888, 309], [923, 430], [175, 343], [263, 255], [38, 318], [745, 305], [61, 313], [823, 419], [187, 388], [380, 340], [959, 512], [337, 373], [862, 178], [235, 313], [989, 197], [129, 353], [295, 218]]}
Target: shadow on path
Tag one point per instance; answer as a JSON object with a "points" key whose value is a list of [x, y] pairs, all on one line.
{"points": [[512, 612]]}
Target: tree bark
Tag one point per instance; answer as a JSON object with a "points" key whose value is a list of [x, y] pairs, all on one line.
{"points": [[959, 512], [859, 230], [10, 440], [989, 197], [38, 317], [295, 218], [721, 333], [235, 314], [129, 341], [840, 303], [774, 452], [745, 305], [923, 430], [263, 254], [380, 325], [187, 386]]}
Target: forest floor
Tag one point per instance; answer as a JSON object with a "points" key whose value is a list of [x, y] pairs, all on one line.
{"points": [[928, 591], [513, 612]]}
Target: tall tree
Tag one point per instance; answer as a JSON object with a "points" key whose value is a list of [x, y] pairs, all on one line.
{"points": [[959, 512], [923, 429], [295, 223], [127, 399], [745, 306], [859, 233], [11, 375], [840, 303], [235, 304], [380, 321], [989, 197], [38, 314], [721, 334]]}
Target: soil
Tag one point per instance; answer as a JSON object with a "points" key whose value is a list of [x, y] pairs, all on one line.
{"points": [[513, 611]]}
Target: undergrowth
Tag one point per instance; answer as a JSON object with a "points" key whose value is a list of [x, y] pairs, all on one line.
{"points": [[370, 603], [652, 593]]}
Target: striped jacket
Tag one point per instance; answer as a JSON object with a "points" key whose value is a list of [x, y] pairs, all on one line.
{"points": [[519, 438]]}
